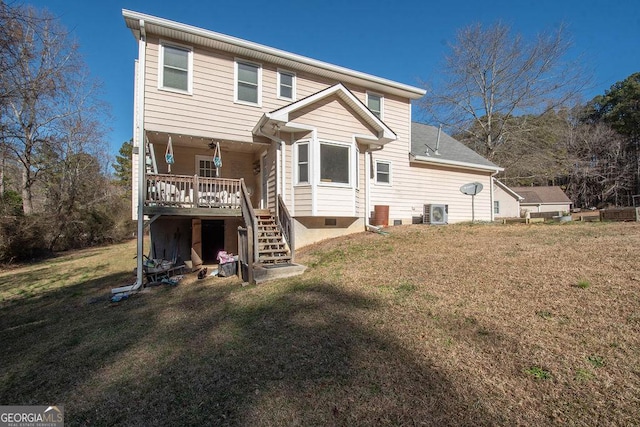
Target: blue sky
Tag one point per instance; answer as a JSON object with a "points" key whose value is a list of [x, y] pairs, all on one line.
{"points": [[400, 40]]}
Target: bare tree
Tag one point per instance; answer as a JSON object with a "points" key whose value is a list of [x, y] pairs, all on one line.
{"points": [[48, 86], [600, 171], [491, 76]]}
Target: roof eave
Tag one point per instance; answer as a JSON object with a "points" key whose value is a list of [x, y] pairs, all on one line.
{"points": [[177, 30], [455, 164]]}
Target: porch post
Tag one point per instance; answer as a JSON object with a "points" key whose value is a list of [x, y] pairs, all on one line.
{"points": [[142, 161]]}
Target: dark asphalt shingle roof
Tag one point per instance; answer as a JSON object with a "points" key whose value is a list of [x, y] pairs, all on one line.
{"points": [[424, 138]]}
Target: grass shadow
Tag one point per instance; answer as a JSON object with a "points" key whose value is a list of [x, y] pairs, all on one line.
{"points": [[241, 356]]}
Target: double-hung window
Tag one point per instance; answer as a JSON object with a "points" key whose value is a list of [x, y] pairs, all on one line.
{"points": [[176, 68], [248, 83], [334, 163], [375, 103], [496, 207], [303, 163], [286, 85], [383, 172]]}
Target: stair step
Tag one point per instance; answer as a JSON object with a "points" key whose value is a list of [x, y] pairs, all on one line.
{"points": [[275, 260], [273, 251], [262, 212], [275, 245]]}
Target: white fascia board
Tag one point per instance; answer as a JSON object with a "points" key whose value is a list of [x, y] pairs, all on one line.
{"points": [[282, 115], [508, 190], [132, 17], [454, 163]]}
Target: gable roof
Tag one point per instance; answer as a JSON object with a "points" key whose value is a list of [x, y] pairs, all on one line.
{"points": [[280, 116], [141, 23], [542, 195], [508, 190], [430, 145]]}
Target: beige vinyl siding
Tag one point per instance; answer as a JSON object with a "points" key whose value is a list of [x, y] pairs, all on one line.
{"points": [[210, 111], [333, 119], [302, 201], [234, 165], [334, 201], [270, 161], [442, 186], [401, 194], [509, 206]]}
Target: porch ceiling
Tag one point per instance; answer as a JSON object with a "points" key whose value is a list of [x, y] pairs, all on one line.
{"points": [[178, 140]]}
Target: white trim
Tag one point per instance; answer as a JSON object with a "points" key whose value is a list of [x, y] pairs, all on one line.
{"points": [[369, 93], [296, 171], [375, 173], [349, 148], [161, 46], [367, 180], [236, 62], [454, 163], [199, 157], [268, 54], [281, 115], [508, 190], [293, 84]]}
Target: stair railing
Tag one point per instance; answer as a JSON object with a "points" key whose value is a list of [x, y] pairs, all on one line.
{"points": [[285, 221]]}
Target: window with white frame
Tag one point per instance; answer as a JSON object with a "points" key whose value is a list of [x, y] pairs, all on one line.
{"points": [[248, 83], [205, 167], [303, 163], [383, 172], [496, 207], [176, 68], [286, 85], [334, 163], [375, 103]]}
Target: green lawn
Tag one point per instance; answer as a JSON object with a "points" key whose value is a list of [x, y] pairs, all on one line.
{"points": [[455, 325]]}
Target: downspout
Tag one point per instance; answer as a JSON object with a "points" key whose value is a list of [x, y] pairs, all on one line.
{"points": [[367, 183], [142, 161]]}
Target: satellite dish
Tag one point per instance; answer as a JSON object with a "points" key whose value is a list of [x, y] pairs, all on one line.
{"points": [[471, 189]]}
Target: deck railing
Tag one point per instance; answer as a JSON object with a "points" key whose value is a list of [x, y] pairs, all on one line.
{"points": [[185, 191]]}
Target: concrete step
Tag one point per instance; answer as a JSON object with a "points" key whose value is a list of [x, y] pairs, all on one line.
{"points": [[262, 273]]}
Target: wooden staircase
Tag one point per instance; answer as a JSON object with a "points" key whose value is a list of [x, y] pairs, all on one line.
{"points": [[272, 247]]}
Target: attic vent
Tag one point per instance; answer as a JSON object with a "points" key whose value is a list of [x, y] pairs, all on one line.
{"points": [[435, 214]]}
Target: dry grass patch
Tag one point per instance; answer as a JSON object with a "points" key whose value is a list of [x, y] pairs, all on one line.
{"points": [[455, 325]]}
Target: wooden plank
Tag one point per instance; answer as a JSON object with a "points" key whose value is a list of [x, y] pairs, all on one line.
{"points": [[201, 212], [196, 242]]}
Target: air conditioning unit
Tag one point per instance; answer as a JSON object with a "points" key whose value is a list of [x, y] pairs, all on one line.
{"points": [[435, 214]]}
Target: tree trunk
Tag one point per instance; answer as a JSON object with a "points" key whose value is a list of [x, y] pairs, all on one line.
{"points": [[27, 200]]}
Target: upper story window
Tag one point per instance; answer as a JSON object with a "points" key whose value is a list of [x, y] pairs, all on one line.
{"points": [[375, 103], [286, 85], [303, 163], [334, 163], [176, 70], [248, 86], [383, 172]]}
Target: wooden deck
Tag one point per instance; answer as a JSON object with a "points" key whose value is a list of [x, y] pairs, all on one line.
{"points": [[183, 195]]}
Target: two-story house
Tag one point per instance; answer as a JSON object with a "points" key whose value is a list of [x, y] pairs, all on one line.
{"points": [[256, 151]]}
